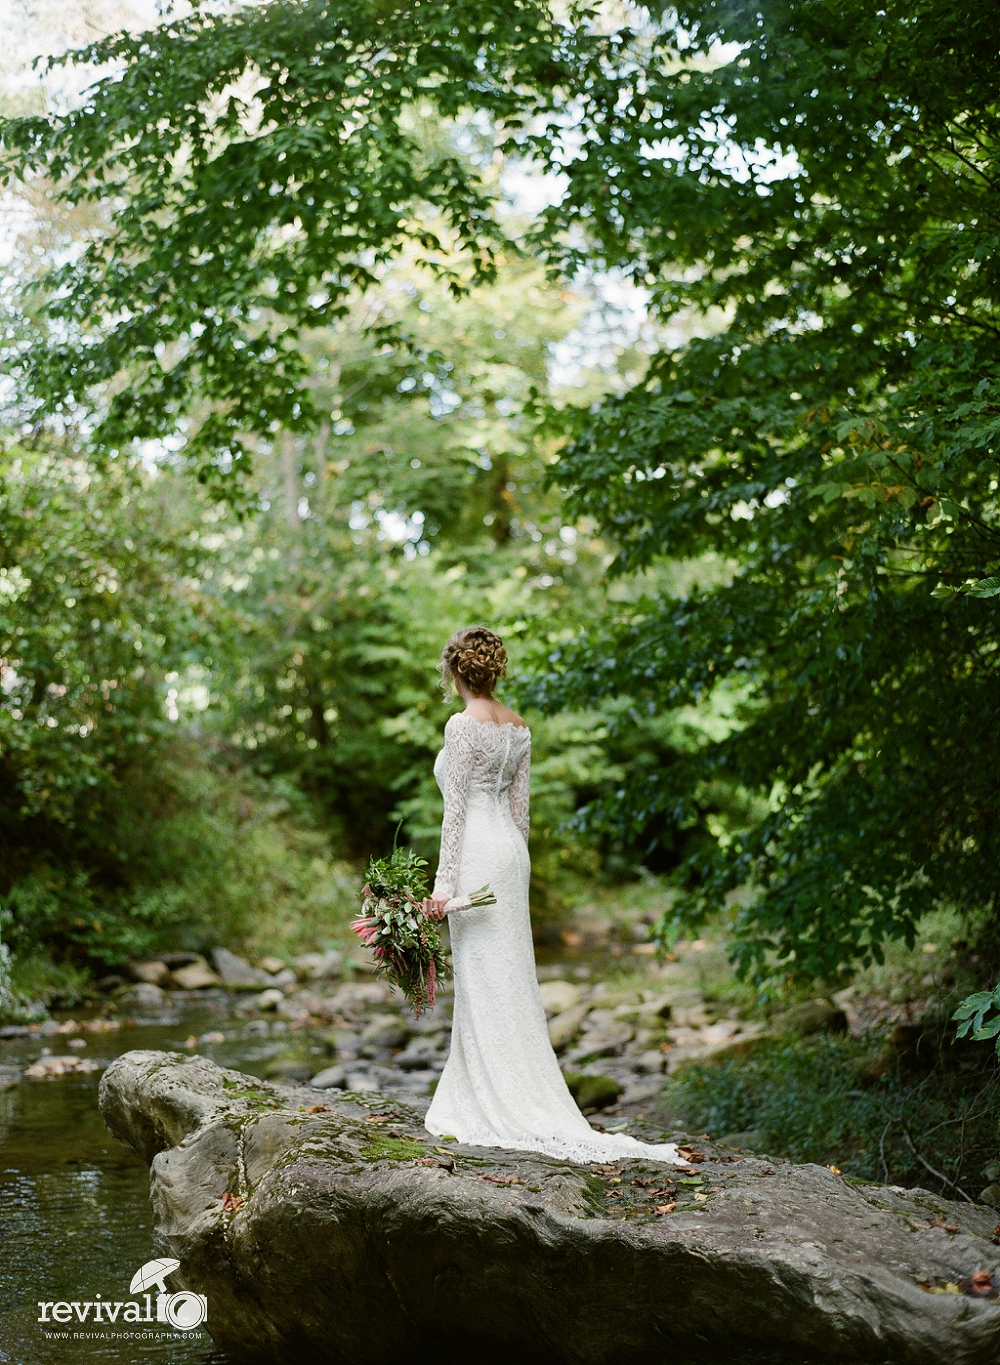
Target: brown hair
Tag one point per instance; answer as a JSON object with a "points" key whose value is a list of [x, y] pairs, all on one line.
{"points": [[474, 656]]}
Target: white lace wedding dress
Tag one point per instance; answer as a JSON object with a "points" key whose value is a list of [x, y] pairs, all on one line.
{"points": [[501, 1086]]}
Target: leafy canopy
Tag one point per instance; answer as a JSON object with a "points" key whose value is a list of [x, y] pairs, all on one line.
{"points": [[819, 182], [250, 170], [825, 179]]}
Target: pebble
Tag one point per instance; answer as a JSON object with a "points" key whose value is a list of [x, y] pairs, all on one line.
{"points": [[47, 1067]]}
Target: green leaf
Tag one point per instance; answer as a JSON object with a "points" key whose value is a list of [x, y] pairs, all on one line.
{"points": [[986, 587]]}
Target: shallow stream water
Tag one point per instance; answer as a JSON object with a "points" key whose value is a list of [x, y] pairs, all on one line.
{"points": [[75, 1220]]}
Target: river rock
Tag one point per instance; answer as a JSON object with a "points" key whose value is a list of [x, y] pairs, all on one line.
{"points": [[289, 1069], [144, 995], [286, 977], [384, 1031], [358, 997], [605, 1040], [418, 1054], [330, 1078], [154, 973], [175, 960], [319, 966], [9, 1077], [235, 971], [593, 1092], [269, 999], [48, 1067], [558, 996], [346, 1242], [195, 976], [565, 1026]]}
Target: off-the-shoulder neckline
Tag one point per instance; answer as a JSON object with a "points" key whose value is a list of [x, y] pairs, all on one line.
{"points": [[500, 724]]}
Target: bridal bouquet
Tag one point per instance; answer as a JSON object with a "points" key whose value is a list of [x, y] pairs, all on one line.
{"points": [[405, 944]]}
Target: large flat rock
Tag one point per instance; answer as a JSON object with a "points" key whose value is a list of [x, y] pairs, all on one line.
{"points": [[357, 1237]]}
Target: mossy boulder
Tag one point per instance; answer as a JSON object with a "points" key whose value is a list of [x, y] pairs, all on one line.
{"points": [[351, 1236], [593, 1092]]}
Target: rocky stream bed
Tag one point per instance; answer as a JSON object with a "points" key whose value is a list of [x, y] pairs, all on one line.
{"points": [[400, 1242]]}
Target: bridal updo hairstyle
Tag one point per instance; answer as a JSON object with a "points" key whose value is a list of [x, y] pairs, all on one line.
{"points": [[475, 657]]}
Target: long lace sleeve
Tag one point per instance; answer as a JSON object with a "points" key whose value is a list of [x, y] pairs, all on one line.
{"points": [[519, 795], [458, 754]]}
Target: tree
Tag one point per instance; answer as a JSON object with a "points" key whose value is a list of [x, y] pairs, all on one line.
{"points": [[827, 177], [248, 171]]}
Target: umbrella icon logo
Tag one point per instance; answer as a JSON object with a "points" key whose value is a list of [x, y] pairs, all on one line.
{"points": [[153, 1272], [184, 1309]]}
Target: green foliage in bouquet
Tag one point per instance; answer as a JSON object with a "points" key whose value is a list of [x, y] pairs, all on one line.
{"points": [[405, 944]]}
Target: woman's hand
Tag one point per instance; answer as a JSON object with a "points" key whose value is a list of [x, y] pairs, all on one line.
{"points": [[434, 907]]}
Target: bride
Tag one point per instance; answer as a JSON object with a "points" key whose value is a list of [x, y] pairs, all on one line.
{"points": [[501, 1086]]}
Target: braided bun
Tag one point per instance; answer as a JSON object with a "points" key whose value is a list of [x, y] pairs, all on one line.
{"points": [[474, 657]]}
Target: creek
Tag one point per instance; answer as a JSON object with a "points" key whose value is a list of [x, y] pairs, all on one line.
{"points": [[75, 1219]]}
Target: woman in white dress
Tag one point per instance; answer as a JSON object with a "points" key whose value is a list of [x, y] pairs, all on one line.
{"points": [[502, 1086]]}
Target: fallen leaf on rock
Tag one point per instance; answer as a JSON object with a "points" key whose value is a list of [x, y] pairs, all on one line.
{"points": [[689, 1170], [424, 1161], [690, 1154], [835, 1169], [942, 1289], [231, 1202], [661, 1209], [319, 1109], [700, 1198], [606, 1170], [981, 1282]]}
